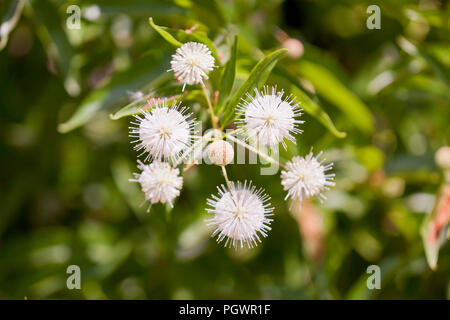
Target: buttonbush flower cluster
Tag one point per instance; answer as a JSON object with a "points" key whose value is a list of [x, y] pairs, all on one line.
{"points": [[164, 136]]}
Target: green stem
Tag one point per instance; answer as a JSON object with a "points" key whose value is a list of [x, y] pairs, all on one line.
{"points": [[210, 108], [254, 150], [224, 171], [230, 133], [207, 136]]}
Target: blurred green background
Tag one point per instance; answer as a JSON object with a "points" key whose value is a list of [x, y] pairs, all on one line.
{"points": [[64, 192]]}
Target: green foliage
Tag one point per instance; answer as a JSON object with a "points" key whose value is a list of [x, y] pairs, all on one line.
{"points": [[308, 105], [376, 101], [146, 72], [227, 81], [328, 86], [255, 79]]}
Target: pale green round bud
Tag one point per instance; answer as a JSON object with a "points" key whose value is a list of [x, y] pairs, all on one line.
{"points": [[220, 152], [442, 157]]}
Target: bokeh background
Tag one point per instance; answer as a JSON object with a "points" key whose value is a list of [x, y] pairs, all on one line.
{"points": [[64, 192]]}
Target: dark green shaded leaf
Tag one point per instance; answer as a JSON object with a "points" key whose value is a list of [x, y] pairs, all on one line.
{"points": [[47, 14], [148, 70]]}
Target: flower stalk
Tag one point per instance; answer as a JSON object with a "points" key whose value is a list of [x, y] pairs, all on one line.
{"points": [[213, 117], [254, 150]]}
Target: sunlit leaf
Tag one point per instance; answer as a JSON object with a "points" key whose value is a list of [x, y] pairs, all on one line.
{"points": [[177, 37], [227, 81], [136, 107], [308, 105], [257, 77], [166, 35], [328, 86]]}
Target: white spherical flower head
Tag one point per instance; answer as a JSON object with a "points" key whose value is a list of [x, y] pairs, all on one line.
{"points": [[159, 182], [191, 63], [163, 132], [240, 215], [268, 119], [306, 177]]}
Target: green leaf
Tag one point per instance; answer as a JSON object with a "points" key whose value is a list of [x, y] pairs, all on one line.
{"points": [[437, 66], [177, 37], [432, 239], [9, 18], [257, 77], [307, 104], [146, 72], [226, 83], [47, 15], [328, 86], [166, 35], [136, 107]]}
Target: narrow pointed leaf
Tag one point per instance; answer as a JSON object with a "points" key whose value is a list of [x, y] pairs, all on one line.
{"points": [[226, 83], [45, 12], [328, 86], [166, 35], [136, 107], [308, 105], [256, 79], [177, 37]]}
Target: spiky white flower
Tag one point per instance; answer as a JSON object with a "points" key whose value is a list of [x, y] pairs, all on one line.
{"points": [[163, 132], [268, 119], [159, 182], [240, 214], [306, 177], [191, 63]]}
